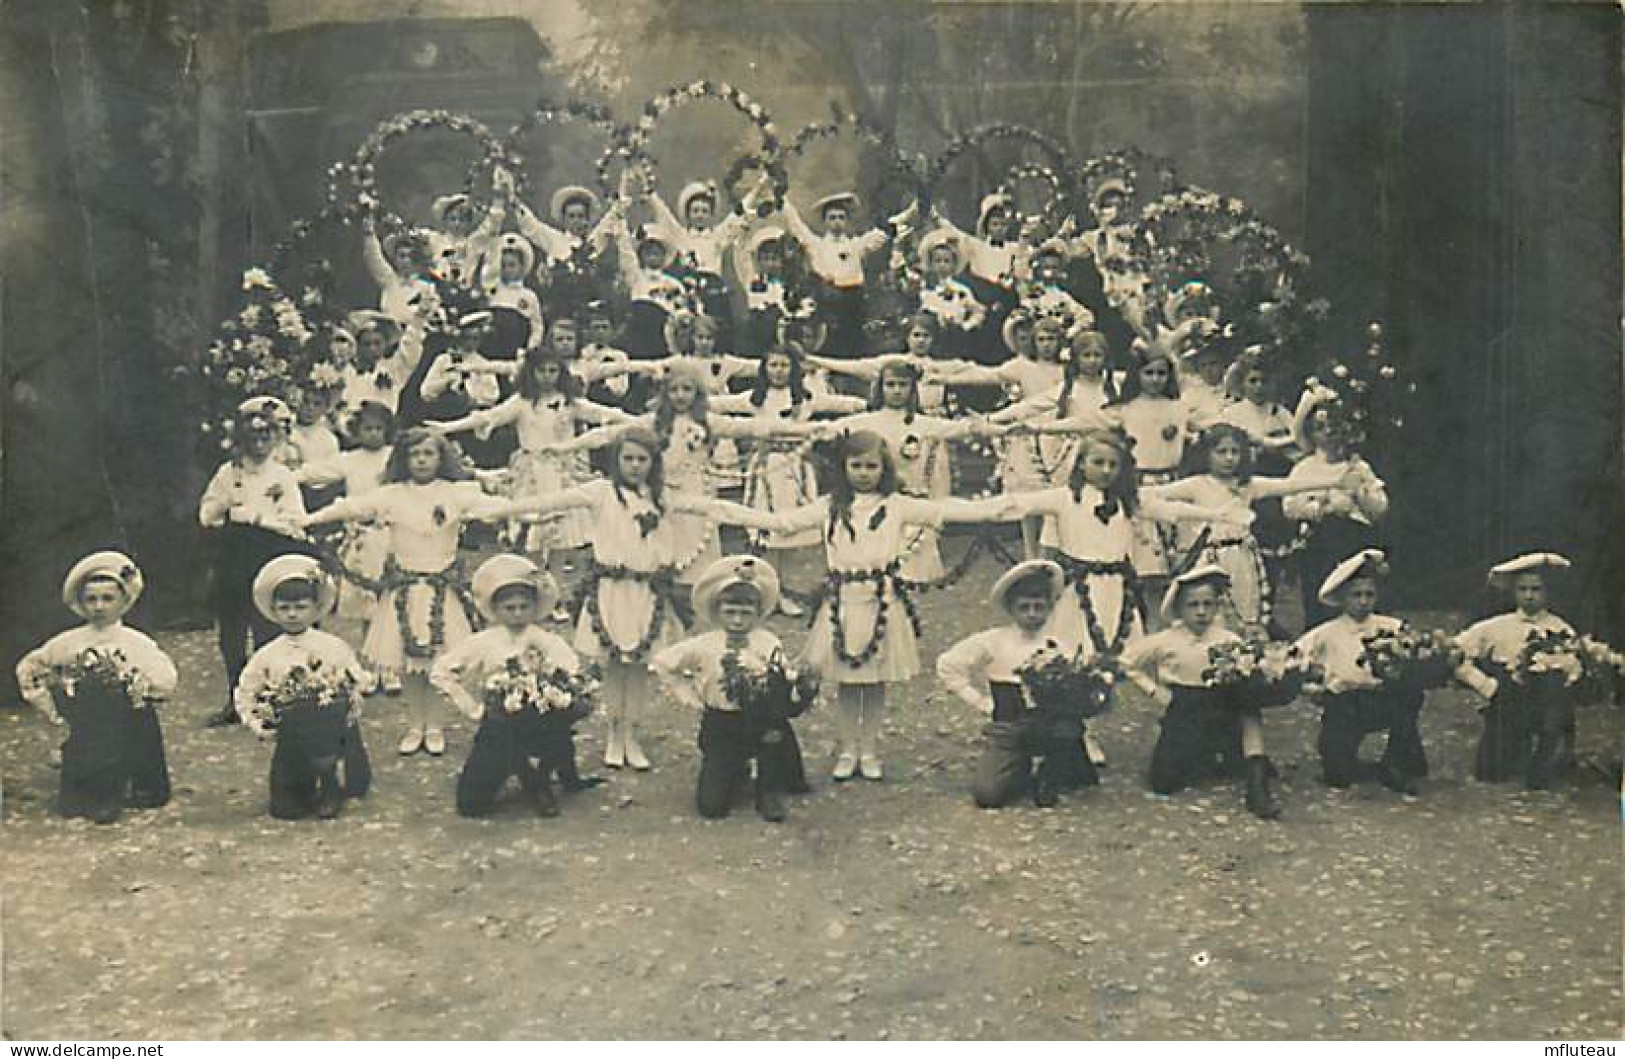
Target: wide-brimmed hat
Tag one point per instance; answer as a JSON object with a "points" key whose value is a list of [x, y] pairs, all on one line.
{"points": [[1530, 562], [1368, 562], [446, 203], [1311, 400], [567, 194], [993, 200], [264, 411], [767, 233], [849, 199], [1054, 576], [696, 189], [1196, 575], [736, 570], [519, 245], [502, 571], [937, 240], [285, 568], [114, 566]]}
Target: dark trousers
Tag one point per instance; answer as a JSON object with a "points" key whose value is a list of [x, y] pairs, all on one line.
{"points": [[301, 780], [240, 551], [1200, 737], [1347, 718], [525, 746], [114, 761], [728, 741], [1005, 772], [1527, 729]]}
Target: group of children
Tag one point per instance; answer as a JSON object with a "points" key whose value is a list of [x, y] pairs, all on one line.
{"points": [[599, 444]]}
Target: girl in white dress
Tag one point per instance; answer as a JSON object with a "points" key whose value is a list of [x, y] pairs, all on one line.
{"points": [[547, 410], [687, 433], [1153, 414], [1095, 515], [1223, 461], [866, 632], [778, 475], [919, 448], [628, 611], [360, 470], [423, 604], [1029, 463]]}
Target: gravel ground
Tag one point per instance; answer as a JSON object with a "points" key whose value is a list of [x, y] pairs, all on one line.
{"points": [[891, 910]]}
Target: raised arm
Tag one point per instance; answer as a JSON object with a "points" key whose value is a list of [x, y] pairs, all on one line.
{"points": [[372, 255], [796, 226], [348, 509], [1157, 504], [726, 513], [482, 422]]}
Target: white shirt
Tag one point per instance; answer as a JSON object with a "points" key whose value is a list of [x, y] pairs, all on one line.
{"points": [[1174, 656], [1337, 646], [265, 495], [273, 662], [35, 669], [1500, 640], [488, 651], [993, 655], [838, 259], [692, 670]]}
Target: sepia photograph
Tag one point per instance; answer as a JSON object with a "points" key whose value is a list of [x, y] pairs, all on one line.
{"points": [[811, 520]]}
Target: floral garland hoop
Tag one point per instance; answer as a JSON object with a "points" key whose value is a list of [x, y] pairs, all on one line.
{"points": [[632, 148], [1059, 157], [899, 165], [547, 112], [1057, 208], [362, 169]]}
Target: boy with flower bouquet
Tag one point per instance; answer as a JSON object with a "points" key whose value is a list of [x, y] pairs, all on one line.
{"points": [[532, 691], [1038, 691], [1212, 686], [304, 687], [1529, 665], [737, 675], [102, 680], [1374, 669]]}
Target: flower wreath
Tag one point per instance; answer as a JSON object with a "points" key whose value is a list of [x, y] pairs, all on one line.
{"points": [[1125, 164], [549, 113], [362, 167], [899, 166], [265, 349], [1059, 157], [632, 148], [1258, 277], [1059, 205]]}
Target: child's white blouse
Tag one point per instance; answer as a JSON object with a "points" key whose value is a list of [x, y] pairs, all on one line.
{"points": [[273, 662], [1500, 640], [1336, 646], [138, 649], [266, 495], [424, 521], [968, 666], [697, 662], [1174, 656], [468, 663]]}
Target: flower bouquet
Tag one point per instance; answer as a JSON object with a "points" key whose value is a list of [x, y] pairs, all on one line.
{"points": [[526, 685], [1064, 689], [1260, 672], [769, 691], [310, 709], [1422, 658], [95, 692], [1557, 660]]}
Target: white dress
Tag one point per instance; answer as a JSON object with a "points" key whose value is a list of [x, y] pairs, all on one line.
{"points": [[631, 544], [366, 543], [778, 476], [919, 444], [862, 554], [548, 420], [423, 596], [1159, 427]]}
